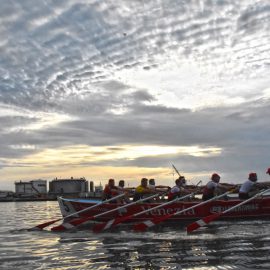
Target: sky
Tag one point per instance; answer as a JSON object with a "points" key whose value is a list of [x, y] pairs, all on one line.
{"points": [[124, 89]]}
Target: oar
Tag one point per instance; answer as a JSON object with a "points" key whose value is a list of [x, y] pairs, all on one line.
{"points": [[176, 170], [154, 221], [48, 223], [113, 222], [206, 220], [75, 222]]}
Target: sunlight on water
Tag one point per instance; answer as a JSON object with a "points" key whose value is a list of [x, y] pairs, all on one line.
{"points": [[223, 245]]}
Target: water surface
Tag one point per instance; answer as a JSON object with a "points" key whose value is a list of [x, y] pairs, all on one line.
{"points": [[222, 245]]}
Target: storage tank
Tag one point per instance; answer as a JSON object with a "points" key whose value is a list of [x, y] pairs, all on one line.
{"points": [[22, 188], [91, 186], [40, 186], [31, 188], [71, 186]]}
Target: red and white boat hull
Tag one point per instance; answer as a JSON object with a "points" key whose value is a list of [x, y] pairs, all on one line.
{"points": [[257, 208]]}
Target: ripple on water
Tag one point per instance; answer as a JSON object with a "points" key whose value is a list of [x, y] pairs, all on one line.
{"points": [[223, 245]]}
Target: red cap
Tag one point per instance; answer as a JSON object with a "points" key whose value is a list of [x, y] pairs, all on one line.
{"points": [[252, 176], [268, 171], [215, 176]]}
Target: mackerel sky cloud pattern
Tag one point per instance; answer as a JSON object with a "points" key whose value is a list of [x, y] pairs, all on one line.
{"points": [[81, 78]]}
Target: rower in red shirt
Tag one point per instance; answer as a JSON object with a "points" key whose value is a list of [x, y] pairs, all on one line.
{"points": [[110, 190]]}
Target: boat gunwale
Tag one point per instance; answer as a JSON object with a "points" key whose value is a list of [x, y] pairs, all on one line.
{"points": [[95, 201]]}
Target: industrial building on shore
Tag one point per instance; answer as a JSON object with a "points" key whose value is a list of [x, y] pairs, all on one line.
{"points": [[38, 189]]}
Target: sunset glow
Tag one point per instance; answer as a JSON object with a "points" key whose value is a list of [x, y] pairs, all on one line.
{"points": [[89, 86]]}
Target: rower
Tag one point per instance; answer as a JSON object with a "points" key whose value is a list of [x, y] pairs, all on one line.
{"points": [[213, 188], [179, 189], [250, 187], [158, 188], [143, 190], [152, 185], [121, 186], [121, 189], [110, 190]]}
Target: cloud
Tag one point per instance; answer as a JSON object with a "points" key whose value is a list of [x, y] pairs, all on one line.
{"points": [[118, 73]]}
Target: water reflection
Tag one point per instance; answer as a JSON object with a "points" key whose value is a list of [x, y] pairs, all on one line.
{"points": [[223, 245]]}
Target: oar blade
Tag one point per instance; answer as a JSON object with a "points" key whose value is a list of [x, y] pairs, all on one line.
{"points": [[62, 227], [141, 227], [111, 223], [202, 222], [71, 224], [193, 226], [43, 225], [211, 218], [104, 226], [100, 227]]}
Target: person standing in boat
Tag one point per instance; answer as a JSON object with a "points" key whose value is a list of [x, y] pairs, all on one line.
{"points": [[250, 187], [179, 189], [213, 188], [143, 190], [110, 190]]}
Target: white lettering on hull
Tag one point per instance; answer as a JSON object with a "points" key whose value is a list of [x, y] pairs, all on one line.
{"points": [[243, 208], [167, 211]]}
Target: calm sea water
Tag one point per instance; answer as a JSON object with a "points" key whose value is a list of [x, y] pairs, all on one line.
{"points": [[223, 245]]}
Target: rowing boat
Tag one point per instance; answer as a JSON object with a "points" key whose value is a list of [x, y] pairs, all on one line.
{"points": [[257, 208]]}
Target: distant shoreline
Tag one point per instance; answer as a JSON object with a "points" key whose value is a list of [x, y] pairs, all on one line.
{"points": [[39, 199], [26, 200]]}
